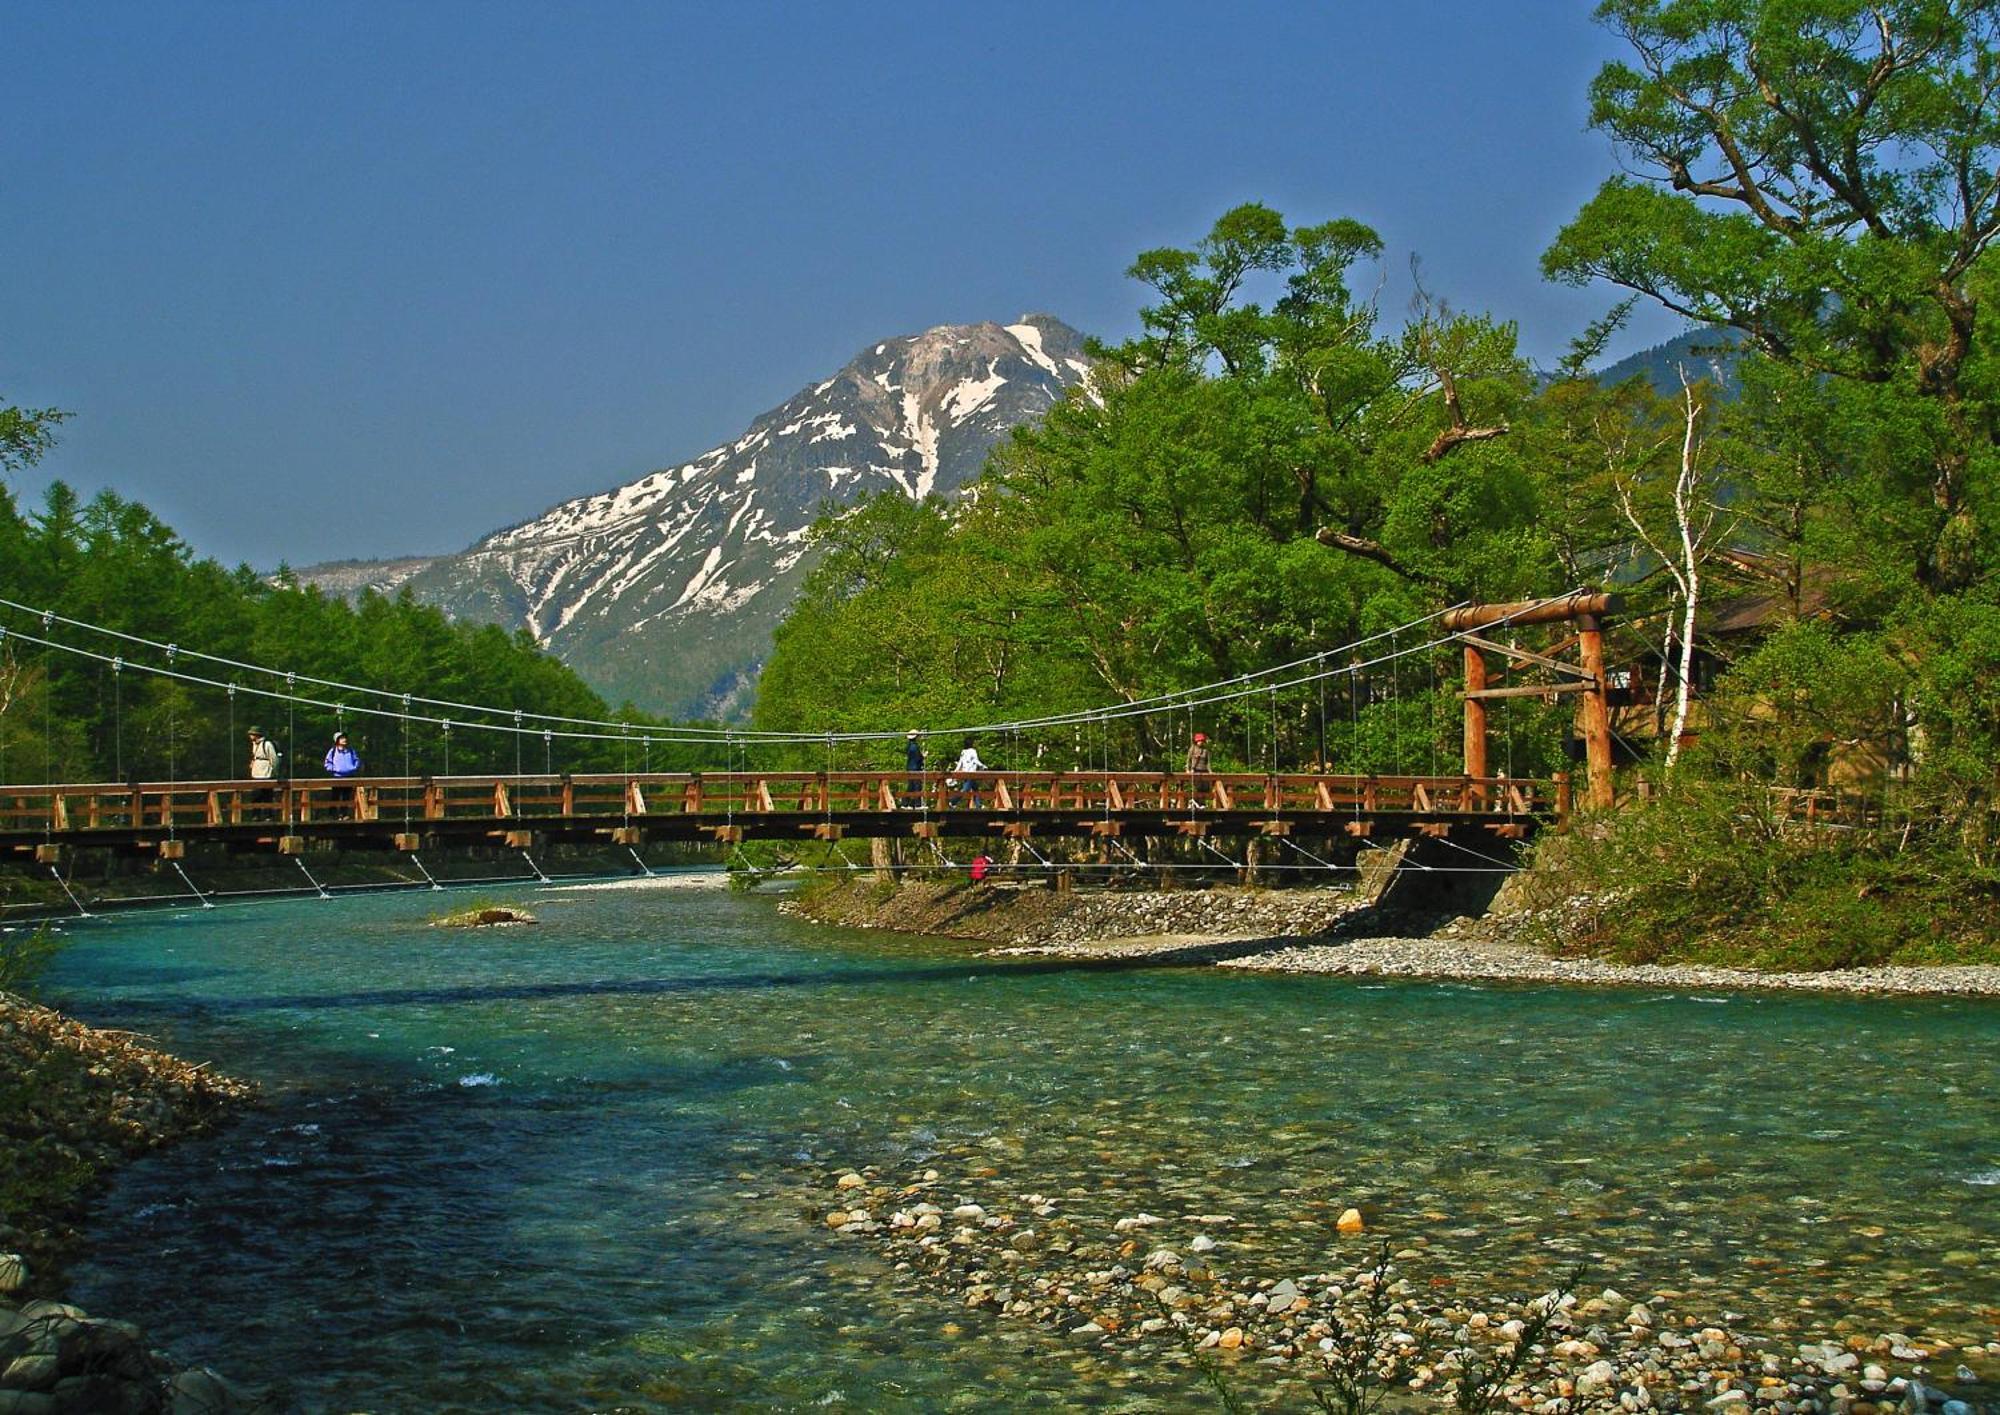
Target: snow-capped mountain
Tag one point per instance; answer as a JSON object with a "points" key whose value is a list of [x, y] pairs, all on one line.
{"points": [[666, 590]]}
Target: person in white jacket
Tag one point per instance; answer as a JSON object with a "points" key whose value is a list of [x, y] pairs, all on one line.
{"points": [[968, 762], [263, 765]]}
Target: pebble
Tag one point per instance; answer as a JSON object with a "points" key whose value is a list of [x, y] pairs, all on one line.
{"points": [[1096, 1279]]}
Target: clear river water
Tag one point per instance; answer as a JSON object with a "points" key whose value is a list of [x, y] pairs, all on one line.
{"points": [[581, 1165]]}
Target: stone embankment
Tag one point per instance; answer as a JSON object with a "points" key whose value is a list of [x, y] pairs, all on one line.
{"points": [[75, 1102], [1178, 1287], [1036, 919]]}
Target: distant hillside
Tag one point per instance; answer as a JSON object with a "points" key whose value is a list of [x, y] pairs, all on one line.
{"points": [[348, 578], [1707, 353], [666, 591]]}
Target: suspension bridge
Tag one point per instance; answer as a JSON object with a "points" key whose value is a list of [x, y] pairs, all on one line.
{"points": [[634, 805]]}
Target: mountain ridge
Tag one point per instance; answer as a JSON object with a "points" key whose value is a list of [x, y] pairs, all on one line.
{"points": [[699, 560]]}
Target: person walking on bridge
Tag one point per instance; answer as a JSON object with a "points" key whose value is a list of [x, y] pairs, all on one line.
{"points": [[1197, 769], [341, 763], [263, 765], [913, 763], [340, 758], [968, 762]]}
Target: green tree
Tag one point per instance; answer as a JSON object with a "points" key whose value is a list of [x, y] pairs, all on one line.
{"points": [[1821, 176]]}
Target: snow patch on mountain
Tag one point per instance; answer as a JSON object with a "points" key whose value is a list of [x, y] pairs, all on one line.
{"points": [[665, 590]]}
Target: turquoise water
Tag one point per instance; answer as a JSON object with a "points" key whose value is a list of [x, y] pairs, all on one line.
{"points": [[582, 1165]]}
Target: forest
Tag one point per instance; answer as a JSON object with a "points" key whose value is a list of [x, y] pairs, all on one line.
{"points": [[109, 714], [1274, 468]]}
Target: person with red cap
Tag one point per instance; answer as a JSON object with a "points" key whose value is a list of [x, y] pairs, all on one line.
{"points": [[1197, 770]]}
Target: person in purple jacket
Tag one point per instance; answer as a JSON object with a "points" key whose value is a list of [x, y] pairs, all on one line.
{"points": [[340, 758]]}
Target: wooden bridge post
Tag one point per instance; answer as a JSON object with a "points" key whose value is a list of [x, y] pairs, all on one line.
{"points": [[1593, 713], [1563, 801], [1475, 721]]}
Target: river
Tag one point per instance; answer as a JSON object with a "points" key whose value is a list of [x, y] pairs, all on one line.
{"points": [[572, 1165]]}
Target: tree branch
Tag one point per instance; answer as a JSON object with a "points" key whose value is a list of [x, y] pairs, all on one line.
{"points": [[1372, 550], [1452, 437]]}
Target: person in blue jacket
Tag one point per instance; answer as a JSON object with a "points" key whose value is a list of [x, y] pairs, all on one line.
{"points": [[340, 758], [913, 763]]}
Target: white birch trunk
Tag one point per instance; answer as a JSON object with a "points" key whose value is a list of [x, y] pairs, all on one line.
{"points": [[1689, 573]]}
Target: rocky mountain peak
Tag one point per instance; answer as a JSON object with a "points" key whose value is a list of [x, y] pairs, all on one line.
{"points": [[665, 590]]}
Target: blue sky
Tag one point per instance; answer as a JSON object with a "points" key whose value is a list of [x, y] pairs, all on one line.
{"points": [[337, 279]]}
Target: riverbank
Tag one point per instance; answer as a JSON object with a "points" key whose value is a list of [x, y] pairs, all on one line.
{"points": [[75, 1103], [1344, 931]]}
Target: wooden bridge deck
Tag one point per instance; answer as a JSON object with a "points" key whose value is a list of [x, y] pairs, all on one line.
{"points": [[404, 813]]}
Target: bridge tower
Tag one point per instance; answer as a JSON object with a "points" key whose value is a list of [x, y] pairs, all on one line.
{"points": [[1586, 610]]}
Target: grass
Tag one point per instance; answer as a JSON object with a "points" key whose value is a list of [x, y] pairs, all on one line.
{"points": [[25, 956]]}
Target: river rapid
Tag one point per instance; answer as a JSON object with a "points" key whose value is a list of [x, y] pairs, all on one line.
{"points": [[582, 1164]]}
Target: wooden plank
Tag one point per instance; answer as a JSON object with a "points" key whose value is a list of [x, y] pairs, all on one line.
{"points": [[1530, 690]]}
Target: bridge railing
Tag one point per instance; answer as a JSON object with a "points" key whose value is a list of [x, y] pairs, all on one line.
{"points": [[81, 807]]}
